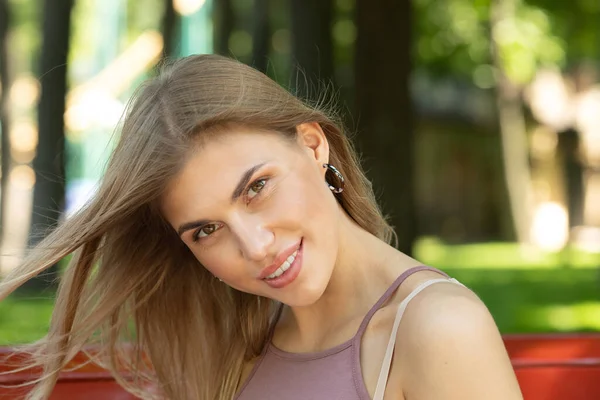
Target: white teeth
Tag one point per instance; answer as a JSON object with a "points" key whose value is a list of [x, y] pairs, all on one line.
{"points": [[284, 267], [280, 270]]}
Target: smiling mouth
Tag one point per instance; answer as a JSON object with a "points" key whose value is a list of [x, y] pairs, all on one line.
{"points": [[284, 266], [288, 270]]}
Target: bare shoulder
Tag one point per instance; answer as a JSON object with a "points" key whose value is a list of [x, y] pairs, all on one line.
{"points": [[450, 348], [445, 312], [446, 303]]}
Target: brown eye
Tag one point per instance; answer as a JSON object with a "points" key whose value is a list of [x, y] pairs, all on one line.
{"points": [[255, 188], [205, 231]]}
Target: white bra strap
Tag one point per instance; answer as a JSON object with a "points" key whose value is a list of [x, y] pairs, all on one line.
{"points": [[387, 360]]}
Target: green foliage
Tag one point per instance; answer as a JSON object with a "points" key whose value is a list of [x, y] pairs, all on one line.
{"points": [[452, 37], [576, 23], [526, 42], [25, 38]]}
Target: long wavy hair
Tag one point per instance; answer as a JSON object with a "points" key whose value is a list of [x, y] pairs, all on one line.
{"points": [[157, 319]]}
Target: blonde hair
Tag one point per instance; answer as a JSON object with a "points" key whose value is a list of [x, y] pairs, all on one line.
{"points": [[133, 289]]}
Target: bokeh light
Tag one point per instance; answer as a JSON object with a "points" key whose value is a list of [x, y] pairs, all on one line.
{"points": [[550, 228], [22, 177], [187, 7], [24, 140], [25, 91], [281, 41], [344, 32], [240, 43]]}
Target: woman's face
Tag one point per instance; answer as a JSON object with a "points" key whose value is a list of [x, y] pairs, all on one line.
{"points": [[252, 205]]}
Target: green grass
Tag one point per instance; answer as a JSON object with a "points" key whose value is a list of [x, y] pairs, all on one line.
{"points": [[537, 300], [526, 290], [500, 255], [24, 320]]}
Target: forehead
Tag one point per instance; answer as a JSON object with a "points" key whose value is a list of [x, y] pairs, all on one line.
{"points": [[214, 167]]}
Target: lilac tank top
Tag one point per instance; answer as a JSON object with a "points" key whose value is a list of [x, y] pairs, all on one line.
{"points": [[333, 374]]}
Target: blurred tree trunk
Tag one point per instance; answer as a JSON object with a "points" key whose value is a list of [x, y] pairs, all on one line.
{"points": [[312, 47], [4, 115], [569, 152], [224, 21], [511, 122], [49, 163], [169, 26], [384, 111], [261, 35]]}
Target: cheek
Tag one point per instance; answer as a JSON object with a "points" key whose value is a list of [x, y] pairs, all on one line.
{"points": [[216, 259], [301, 198], [319, 203], [311, 205]]}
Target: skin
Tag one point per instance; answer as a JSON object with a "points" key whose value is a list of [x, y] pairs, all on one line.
{"points": [[448, 345]]}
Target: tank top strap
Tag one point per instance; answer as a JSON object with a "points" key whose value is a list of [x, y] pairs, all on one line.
{"points": [[389, 292], [387, 360]]}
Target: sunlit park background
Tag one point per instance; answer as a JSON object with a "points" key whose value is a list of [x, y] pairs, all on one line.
{"points": [[478, 120]]}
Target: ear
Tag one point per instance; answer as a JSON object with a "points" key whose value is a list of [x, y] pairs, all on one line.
{"points": [[312, 139]]}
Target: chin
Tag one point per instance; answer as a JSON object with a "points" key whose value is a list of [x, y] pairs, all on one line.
{"points": [[308, 292]]}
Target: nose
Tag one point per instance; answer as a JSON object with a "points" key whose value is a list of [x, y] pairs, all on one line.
{"points": [[255, 238]]}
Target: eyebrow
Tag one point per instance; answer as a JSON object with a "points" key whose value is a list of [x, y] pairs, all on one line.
{"points": [[237, 192]]}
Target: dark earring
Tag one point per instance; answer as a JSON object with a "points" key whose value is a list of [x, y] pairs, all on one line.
{"points": [[339, 178]]}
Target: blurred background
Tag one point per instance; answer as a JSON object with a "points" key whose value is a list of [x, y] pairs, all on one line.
{"points": [[478, 122]]}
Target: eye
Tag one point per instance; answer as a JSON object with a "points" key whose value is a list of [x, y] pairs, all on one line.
{"points": [[205, 231], [255, 188]]}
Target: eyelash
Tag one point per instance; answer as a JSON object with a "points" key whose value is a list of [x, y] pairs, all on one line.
{"points": [[195, 237]]}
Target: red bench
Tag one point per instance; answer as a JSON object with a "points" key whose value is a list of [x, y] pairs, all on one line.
{"points": [[552, 367], [87, 382], [548, 367]]}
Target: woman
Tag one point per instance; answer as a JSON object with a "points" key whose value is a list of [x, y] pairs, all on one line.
{"points": [[236, 245]]}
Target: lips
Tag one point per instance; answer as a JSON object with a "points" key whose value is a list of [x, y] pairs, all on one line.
{"points": [[281, 257], [291, 273]]}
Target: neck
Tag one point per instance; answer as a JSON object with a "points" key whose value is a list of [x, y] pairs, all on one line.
{"points": [[365, 267]]}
